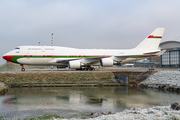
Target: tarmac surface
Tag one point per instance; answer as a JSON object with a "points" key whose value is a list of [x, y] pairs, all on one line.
{"points": [[108, 69]]}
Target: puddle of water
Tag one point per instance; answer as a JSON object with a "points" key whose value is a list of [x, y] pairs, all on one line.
{"points": [[70, 101]]}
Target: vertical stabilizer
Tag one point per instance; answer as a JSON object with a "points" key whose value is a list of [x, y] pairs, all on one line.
{"points": [[152, 41]]}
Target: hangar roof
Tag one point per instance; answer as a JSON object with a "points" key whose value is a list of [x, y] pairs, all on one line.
{"points": [[174, 45]]}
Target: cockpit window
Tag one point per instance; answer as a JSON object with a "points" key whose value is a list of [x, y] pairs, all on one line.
{"points": [[17, 48]]}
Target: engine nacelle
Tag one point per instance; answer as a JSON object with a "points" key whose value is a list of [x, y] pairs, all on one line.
{"points": [[106, 62], [74, 64]]}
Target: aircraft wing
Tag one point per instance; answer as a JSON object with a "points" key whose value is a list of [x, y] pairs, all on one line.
{"points": [[83, 60], [62, 60], [65, 60]]}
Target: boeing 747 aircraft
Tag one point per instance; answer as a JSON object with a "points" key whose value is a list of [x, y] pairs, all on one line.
{"points": [[85, 59]]}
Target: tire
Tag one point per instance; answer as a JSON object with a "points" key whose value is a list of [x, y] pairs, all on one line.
{"points": [[23, 69]]}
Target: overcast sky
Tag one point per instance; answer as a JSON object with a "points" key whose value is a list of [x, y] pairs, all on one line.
{"points": [[85, 23]]}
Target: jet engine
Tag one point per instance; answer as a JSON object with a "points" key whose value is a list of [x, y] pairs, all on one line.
{"points": [[74, 64], [106, 62]]}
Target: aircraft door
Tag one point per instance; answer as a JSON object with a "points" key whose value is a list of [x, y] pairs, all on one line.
{"points": [[52, 56], [43, 49], [105, 54], [81, 55], [28, 55]]}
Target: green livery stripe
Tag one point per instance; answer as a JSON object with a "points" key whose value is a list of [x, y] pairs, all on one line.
{"points": [[157, 37], [14, 59]]}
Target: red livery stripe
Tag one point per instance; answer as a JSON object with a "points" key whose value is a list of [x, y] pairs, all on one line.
{"points": [[151, 36]]}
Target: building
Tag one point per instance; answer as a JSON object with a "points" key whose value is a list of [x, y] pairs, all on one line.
{"points": [[171, 58]]}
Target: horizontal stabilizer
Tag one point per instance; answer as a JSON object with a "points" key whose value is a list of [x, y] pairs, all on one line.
{"points": [[160, 53], [152, 52]]}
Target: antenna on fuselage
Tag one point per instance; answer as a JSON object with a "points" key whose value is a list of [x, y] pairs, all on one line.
{"points": [[52, 39], [39, 43]]}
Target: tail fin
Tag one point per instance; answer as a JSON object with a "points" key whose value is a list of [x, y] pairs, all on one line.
{"points": [[152, 41]]}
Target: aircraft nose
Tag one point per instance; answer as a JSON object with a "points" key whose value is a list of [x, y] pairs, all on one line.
{"points": [[5, 57], [8, 58]]}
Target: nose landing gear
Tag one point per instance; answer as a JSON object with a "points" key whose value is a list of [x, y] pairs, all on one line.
{"points": [[22, 69]]}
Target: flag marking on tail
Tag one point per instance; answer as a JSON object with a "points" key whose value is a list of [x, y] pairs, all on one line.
{"points": [[157, 37]]}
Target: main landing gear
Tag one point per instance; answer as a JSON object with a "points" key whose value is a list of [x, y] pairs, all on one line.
{"points": [[87, 68], [22, 69]]}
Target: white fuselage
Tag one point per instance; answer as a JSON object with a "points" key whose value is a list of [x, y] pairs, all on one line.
{"points": [[48, 55]]}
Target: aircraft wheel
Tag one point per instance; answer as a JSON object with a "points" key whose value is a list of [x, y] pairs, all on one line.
{"points": [[23, 69], [82, 69], [91, 69]]}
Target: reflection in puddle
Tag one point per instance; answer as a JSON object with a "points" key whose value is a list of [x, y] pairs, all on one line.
{"points": [[10, 101], [79, 100], [96, 100]]}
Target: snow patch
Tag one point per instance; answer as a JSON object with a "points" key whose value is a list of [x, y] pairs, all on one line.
{"points": [[167, 80], [158, 112], [164, 77]]}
